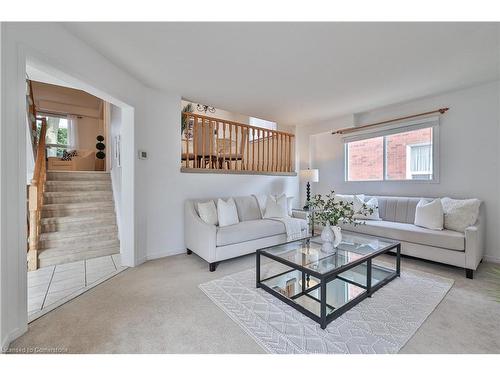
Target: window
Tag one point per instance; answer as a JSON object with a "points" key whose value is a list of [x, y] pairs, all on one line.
{"points": [[57, 134], [365, 160], [419, 162], [398, 155], [254, 121]]}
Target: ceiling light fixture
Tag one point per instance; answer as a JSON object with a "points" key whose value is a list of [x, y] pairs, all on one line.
{"points": [[205, 108]]}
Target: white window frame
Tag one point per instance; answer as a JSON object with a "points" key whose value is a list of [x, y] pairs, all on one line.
{"points": [[432, 122], [54, 145], [408, 159], [260, 123]]}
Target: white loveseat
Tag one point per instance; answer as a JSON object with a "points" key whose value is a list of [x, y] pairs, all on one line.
{"points": [[214, 243], [459, 249]]}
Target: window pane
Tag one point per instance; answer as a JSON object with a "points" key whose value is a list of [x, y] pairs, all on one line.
{"points": [[254, 121], [409, 155], [57, 135], [365, 159]]}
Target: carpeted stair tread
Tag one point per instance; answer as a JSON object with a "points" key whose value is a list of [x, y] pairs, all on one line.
{"points": [[79, 233], [50, 258], [78, 176], [78, 218]]}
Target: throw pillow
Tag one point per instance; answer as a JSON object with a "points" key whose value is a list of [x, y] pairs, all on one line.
{"points": [[460, 213], [68, 155], [276, 206], [227, 213], [208, 212], [429, 214], [262, 200], [372, 203], [347, 198]]}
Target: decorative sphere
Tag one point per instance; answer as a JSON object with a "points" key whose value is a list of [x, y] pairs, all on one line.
{"points": [[100, 155]]}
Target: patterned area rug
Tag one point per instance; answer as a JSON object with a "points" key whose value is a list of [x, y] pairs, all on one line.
{"points": [[381, 324]]}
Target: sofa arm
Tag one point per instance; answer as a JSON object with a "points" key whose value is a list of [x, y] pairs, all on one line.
{"points": [[300, 215], [475, 243], [199, 237]]}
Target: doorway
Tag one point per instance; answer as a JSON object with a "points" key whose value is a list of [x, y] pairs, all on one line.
{"points": [[79, 243]]}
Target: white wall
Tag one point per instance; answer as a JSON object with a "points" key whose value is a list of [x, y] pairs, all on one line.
{"points": [[166, 188], [154, 200], [5, 329], [469, 159]]}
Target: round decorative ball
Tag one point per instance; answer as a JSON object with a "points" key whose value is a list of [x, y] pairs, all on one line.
{"points": [[100, 146], [100, 138], [100, 155]]}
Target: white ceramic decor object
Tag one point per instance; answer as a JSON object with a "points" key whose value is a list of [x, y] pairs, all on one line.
{"points": [[327, 234]]}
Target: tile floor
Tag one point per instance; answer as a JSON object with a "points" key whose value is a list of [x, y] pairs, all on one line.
{"points": [[49, 287]]}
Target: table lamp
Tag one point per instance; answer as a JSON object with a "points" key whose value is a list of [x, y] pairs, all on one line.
{"points": [[309, 175]]}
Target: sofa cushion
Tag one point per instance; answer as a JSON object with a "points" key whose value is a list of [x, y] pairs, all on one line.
{"points": [[248, 208], [398, 209], [248, 230], [446, 239], [252, 230]]}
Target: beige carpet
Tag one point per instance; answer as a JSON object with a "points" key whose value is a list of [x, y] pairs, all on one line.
{"points": [[158, 308]]}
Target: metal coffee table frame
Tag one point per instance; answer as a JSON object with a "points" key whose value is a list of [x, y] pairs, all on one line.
{"points": [[324, 319]]}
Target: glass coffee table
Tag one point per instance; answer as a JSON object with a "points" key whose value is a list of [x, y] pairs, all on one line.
{"points": [[323, 282]]}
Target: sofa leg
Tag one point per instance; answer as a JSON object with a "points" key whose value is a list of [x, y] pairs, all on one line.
{"points": [[212, 266], [189, 252], [469, 273]]}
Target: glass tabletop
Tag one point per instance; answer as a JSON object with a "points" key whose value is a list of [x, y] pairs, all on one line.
{"points": [[312, 254]]}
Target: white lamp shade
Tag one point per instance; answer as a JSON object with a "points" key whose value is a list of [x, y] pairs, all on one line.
{"points": [[311, 175]]}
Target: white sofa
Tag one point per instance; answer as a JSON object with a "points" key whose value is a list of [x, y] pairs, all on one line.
{"points": [[214, 243], [459, 249]]}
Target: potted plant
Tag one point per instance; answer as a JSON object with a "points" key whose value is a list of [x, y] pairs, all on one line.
{"points": [[330, 212]]}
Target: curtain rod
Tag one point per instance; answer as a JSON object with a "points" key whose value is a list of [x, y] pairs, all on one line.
{"points": [[357, 128]]}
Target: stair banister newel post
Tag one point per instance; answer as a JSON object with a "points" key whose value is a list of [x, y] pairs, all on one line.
{"points": [[35, 199], [33, 225]]}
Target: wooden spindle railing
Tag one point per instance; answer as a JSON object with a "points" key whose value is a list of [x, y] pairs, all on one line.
{"points": [[215, 145], [35, 198]]}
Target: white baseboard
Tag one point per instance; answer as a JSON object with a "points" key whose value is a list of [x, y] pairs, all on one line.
{"points": [[11, 337], [162, 254], [491, 259]]}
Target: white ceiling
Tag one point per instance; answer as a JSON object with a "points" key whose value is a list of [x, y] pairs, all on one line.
{"points": [[299, 73]]}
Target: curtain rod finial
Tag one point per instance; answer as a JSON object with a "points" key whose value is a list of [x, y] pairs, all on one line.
{"points": [[443, 110]]}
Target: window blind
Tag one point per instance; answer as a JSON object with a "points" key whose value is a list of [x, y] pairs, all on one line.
{"points": [[421, 159]]}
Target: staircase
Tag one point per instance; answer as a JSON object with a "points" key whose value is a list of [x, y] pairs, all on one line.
{"points": [[78, 218]]}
